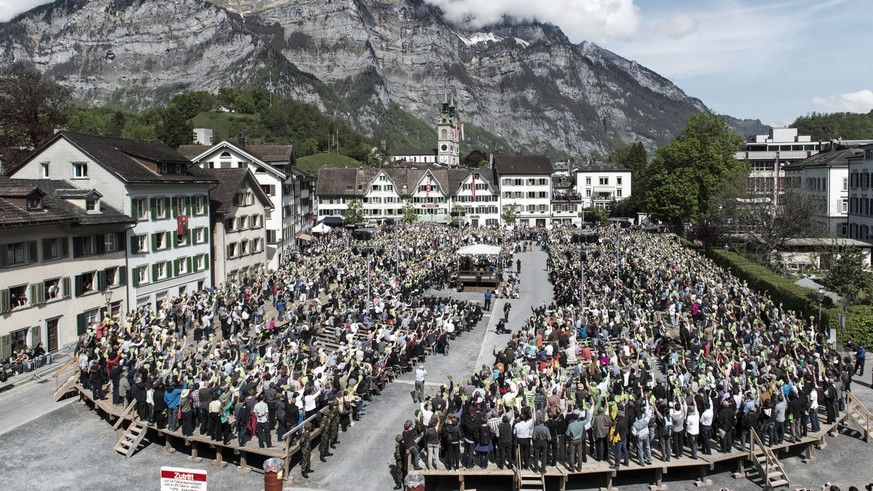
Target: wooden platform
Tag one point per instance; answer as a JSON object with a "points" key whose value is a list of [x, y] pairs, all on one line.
{"points": [[561, 473]]}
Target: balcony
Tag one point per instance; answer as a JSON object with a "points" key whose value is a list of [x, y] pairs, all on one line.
{"points": [[784, 155], [567, 197]]}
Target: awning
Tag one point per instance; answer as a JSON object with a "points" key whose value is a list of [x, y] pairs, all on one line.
{"points": [[305, 237], [479, 249]]}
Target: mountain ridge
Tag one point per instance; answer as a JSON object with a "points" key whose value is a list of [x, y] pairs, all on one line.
{"points": [[526, 83]]}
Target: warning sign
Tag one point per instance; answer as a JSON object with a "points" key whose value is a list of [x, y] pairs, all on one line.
{"points": [[178, 479]]}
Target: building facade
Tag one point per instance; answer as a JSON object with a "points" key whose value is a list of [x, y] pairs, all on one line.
{"points": [[62, 262], [168, 248], [602, 184], [525, 182], [768, 155], [272, 166], [239, 236], [859, 220]]}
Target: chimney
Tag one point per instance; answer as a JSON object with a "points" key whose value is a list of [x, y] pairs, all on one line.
{"points": [[242, 141]]}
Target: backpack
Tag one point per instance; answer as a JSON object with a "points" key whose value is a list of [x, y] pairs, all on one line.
{"points": [[614, 436]]}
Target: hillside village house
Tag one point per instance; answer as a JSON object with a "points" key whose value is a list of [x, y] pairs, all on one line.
{"points": [[274, 168], [239, 206], [62, 262], [168, 248]]}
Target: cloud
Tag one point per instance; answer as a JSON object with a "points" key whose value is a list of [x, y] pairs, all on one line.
{"points": [[850, 102], [676, 26], [10, 8], [593, 20]]}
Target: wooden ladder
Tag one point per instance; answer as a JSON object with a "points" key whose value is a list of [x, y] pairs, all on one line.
{"points": [[765, 461], [858, 416], [130, 440], [532, 483]]}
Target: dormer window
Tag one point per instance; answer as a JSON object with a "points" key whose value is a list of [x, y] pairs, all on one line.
{"points": [[34, 203], [92, 205]]}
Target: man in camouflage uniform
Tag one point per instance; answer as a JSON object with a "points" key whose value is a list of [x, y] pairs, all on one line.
{"points": [[399, 462], [306, 451], [333, 410], [324, 426]]}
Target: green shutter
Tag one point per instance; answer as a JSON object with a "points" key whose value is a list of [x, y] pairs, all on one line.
{"points": [[154, 206], [133, 208], [34, 299], [154, 242], [120, 242], [4, 253], [65, 287], [81, 324], [134, 277], [4, 301], [35, 337], [32, 254], [101, 280], [206, 264], [175, 238], [78, 284], [175, 211], [100, 243], [154, 273], [5, 347], [122, 276], [189, 206], [167, 204], [176, 267], [65, 246], [134, 245], [77, 247], [190, 263]]}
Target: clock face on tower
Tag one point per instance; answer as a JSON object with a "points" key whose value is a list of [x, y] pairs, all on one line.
{"points": [[444, 148]]}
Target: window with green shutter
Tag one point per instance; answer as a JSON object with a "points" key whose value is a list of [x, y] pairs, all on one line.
{"points": [[134, 208]]}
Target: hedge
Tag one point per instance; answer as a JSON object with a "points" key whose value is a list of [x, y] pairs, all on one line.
{"points": [[859, 325]]}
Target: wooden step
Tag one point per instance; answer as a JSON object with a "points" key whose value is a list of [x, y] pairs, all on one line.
{"points": [[66, 386], [130, 440], [779, 483], [775, 475]]}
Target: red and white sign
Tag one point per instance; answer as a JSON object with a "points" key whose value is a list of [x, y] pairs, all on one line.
{"points": [[179, 479]]}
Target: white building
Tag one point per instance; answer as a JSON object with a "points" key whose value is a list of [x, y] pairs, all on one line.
{"points": [[860, 214], [525, 181], [602, 184], [239, 236], [479, 194], [271, 166], [768, 155], [62, 262], [825, 176], [168, 248]]}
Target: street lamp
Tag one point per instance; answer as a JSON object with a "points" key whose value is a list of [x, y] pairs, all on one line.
{"points": [[820, 294], [107, 295]]}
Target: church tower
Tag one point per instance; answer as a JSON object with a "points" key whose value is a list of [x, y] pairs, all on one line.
{"points": [[448, 135]]}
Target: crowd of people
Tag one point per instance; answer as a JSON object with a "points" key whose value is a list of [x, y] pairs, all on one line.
{"points": [[315, 339], [648, 351]]}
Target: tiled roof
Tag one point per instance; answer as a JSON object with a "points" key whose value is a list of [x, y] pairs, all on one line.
{"points": [[831, 158], [602, 167], [122, 157], [523, 164], [191, 151], [229, 182], [271, 153], [400, 152], [55, 209], [353, 182]]}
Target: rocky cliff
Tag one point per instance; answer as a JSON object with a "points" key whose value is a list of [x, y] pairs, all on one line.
{"points": [[527, 83]]}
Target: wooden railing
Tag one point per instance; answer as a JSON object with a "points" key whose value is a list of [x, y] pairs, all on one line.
{"points": [[62, 369], [771, 463], [855, 405], [124, 413]]}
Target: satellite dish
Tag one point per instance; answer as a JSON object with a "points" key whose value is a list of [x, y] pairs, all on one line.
{"points": [[110, 55]]}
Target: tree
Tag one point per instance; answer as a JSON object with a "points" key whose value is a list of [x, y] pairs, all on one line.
{"points": [[509, 215], [31, 108], [740, 215], [474, 159], [847, 276], [634, 157], [354, 213], [173, 128], [409, 214], [685, 173]]}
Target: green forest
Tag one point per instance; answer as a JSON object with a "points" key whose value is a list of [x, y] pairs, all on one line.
{"points": [[848, 126]]}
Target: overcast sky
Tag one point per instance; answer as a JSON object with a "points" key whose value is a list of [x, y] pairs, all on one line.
{"points": [[771, 60]]}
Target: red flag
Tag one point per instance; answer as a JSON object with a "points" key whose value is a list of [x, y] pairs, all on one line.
{"points": [[181, 225], [473, 186], [427, 189]]}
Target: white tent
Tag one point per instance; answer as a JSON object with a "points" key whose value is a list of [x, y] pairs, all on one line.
{"points": [[479, 250], [320, 229]]}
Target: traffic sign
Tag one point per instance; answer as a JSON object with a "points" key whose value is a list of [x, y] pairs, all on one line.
{"points": [[179, 479]]}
